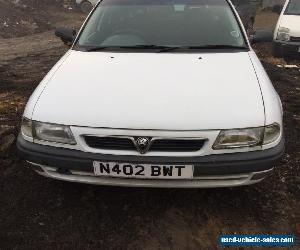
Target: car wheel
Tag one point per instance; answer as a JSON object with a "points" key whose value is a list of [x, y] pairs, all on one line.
{"points": [[86, 6]]}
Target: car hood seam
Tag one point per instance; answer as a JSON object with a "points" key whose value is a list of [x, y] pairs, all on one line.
{"points": [[50, 78], [260, 89]]}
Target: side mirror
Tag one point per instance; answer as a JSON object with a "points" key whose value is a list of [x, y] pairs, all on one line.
{"points": [[67, 35], [261, 36], [86, 6], [277, 8]]}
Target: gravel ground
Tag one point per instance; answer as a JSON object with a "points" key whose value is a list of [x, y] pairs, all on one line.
{"points": [[39, 213]]}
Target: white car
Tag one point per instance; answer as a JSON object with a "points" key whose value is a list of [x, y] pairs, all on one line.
{"points": [[156, 93], [287, 32], [86, 5]]}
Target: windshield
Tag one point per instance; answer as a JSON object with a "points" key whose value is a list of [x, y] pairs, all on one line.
{"points": [[293, 8], [121, 23]]}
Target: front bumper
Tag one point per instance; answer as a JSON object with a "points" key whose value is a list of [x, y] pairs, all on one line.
{"points": [[224, 170], [286, 49]]}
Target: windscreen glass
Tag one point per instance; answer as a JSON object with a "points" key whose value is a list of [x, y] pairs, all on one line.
{"points": [[162, 23], [293, 8]]}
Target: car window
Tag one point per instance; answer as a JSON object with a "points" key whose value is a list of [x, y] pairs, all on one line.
{"points": [[293, 8], [162, 23]]}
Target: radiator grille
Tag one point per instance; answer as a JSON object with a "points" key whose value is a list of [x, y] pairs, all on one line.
{"points": [[155, 145], [294, 39]]}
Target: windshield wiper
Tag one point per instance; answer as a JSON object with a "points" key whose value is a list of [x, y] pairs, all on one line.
{"points": [[99, 48], [163, 48], [213, 46]]}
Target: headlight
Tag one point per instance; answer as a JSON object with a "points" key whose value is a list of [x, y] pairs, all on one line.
{"points": [[26, 127], [272, 132], [47, 132], [249, 137], [238, 138], [283, 34], [53, 132]]}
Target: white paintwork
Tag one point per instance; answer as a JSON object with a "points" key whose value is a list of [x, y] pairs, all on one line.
{"points": [[292, 22], [145, 94], [271, 99], [142, 91], [199, 182], [38, 91], [153, 91], [177, 95], [211, 136]]}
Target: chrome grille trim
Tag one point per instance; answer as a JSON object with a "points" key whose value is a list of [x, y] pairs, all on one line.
{"points": [[156, 144]]}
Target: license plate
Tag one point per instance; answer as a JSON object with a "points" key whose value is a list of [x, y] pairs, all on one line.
{"points": [[143, 171]]}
